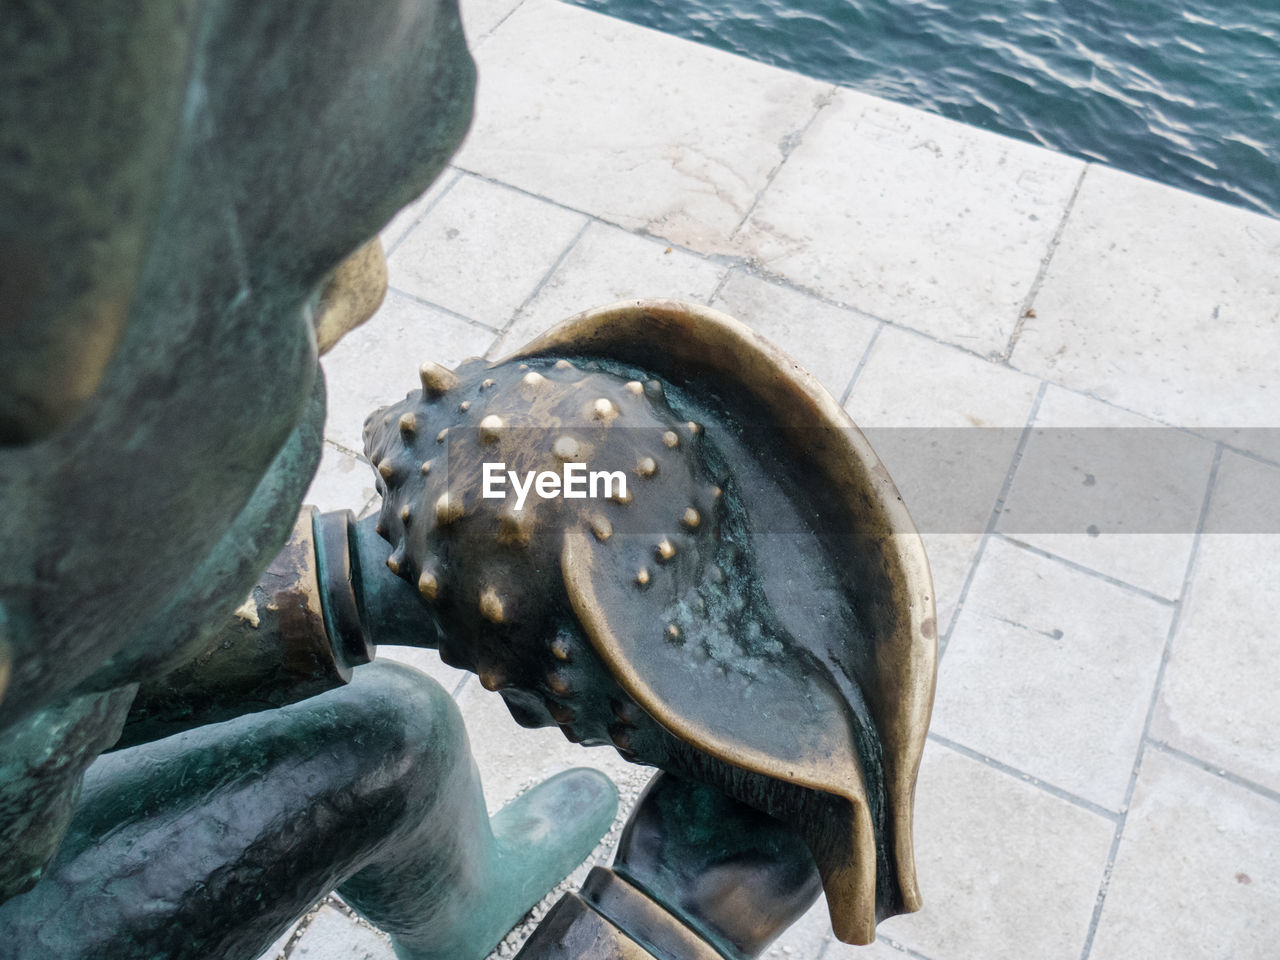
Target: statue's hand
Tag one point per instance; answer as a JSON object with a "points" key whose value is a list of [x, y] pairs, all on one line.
{"points": [[697, 875], [737, 876]]}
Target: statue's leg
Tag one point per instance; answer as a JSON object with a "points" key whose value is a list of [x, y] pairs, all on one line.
{"points": [[697, 876], [208, 844]]}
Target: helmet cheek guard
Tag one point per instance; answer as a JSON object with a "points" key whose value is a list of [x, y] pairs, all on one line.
{"points": [[752, 609], [828, 734]]}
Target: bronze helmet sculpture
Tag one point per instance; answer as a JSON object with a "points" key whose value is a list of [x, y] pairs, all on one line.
{"points": [[752, 608]]}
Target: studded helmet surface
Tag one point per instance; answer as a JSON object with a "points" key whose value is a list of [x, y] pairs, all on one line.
{"points": [[742, 597]]}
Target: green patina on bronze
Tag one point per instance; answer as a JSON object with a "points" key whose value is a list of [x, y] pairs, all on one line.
{"points": [[697, 876], [179, 184], [209, 843], [279, 139], [753, 611], [177, 181]]}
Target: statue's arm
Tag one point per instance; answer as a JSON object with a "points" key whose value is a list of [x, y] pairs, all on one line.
{"points": [[318, 611]]}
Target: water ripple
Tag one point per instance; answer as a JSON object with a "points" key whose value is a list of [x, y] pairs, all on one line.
{"points": [[1156, 87]]}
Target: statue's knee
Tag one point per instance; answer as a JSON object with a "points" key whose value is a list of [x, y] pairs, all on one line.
{"points": [[402, 728]]}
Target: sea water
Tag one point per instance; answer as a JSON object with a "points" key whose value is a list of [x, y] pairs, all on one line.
{"points": [[1182, 92]]}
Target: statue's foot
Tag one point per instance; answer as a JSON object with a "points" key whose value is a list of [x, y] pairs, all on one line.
{"points": [[540, 837]]}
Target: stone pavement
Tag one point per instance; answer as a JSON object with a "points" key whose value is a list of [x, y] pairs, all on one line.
{"points": [[1102, 779]]}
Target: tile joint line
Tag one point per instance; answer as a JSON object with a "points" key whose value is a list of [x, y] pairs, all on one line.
{"points": [[494, 181], [1198, 433], [724, 279], [422, 215], [494, 29], [1214, 769], [551, 272], [1034, 290], [791, 143], [1081, 568], [994, 518], [1039, 783], [892, 945], [1175, 620], [460, 686], [862, 362], [343, 448], [488, 328], [747, 266]]}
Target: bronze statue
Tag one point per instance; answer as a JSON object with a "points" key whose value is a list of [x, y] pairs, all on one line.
{"points": [[734, 592], [183, 772], [177, 183]]}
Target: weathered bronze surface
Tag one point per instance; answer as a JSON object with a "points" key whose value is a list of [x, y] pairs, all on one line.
{"points": [[755, 612], [351, 295], [209, 843], [289, 640], [189, 199], [697, 876], [190, 194], [183, 179]]}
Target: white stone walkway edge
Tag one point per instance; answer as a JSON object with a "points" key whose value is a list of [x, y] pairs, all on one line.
{"points": [[1162, 302]]}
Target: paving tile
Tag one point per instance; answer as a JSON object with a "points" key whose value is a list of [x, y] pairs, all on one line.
{"points": [[342, 482], [1197, 873], [332, 935], [1163, 303], [912, 381], [479, 17], [1006, 870], [426, 660], [482, 249], [412, 213], [828, 341], [1051, 671], [1112, 491], [377, 363], [1246, 498], [882, 949], [805, 938], [951, 557], [606, 265], [636, 127], [511, 758], [913, 218], [946, 424], [1218, 700]]}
